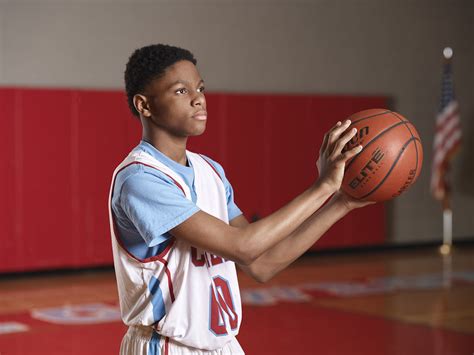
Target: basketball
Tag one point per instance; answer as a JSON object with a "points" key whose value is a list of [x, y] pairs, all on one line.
{"points": [[391, 158]]}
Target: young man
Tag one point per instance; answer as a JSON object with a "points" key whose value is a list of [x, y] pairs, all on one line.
{"points": [[176, 231]]}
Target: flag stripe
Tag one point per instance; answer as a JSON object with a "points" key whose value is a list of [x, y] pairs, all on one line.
{"points": [[453, 118], [447, 139], [447, 134], [449, 143]]}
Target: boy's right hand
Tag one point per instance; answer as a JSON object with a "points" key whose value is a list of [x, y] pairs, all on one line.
{"points": [[332, 160]]}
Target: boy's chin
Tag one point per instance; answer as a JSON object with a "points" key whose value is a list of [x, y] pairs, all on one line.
{"points": [[197, 132]]}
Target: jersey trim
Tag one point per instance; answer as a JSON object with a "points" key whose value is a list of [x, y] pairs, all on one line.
{"points": [[166, 345], [161, 257], [212, 166]]}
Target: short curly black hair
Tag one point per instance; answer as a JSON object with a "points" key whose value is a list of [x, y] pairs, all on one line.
{"points": [[148, 63]]}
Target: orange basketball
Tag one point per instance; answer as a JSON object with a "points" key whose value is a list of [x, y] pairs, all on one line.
{"points": [[391, 158]]}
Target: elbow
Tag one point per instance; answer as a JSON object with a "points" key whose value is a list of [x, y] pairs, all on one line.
{"points": [[247, 254], [245, 257], [261, 276], [259, 272]]}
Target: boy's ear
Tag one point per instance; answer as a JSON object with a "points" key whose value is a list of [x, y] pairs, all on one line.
{"points": [[141, 105]]}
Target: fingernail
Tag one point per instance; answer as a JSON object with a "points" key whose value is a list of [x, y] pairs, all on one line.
{"points": [[348, 121], [354, 130], [359, 147], [338, 123]]}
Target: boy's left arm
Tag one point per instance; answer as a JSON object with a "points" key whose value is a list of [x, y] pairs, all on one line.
{"points": [[289, 249]]}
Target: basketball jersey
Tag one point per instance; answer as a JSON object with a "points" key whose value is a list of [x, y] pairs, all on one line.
{"points": [[184, 293]]}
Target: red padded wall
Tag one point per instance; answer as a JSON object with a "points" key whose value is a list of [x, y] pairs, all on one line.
{"points": [[270, 149], [104, 133], [10, 245], [60, 147], [44, 212], [235, 126]]}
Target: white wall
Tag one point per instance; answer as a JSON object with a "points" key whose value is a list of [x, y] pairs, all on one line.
{"points": [[350, 47]]}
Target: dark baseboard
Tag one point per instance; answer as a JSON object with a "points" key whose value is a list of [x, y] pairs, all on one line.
{"points": [[54, 272], [387, 248]]}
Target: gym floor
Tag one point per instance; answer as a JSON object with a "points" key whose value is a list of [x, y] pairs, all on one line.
{"points": [[380, 303]]}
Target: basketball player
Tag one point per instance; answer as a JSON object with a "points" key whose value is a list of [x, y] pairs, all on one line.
{"points": [[176, 230]]}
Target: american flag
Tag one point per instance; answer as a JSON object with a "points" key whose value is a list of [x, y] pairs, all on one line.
{"points": [[447, 139]]}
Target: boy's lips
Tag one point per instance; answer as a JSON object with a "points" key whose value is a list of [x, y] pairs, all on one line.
{"points": [[200, 115]]}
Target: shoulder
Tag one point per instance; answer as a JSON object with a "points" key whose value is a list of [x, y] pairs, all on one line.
{"points": [[139, 176]]}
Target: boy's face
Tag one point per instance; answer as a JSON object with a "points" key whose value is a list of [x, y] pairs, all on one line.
{"points": [[176, 101]]}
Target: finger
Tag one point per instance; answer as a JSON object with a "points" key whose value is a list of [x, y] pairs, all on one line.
{"points": [[342, 141], [325, 140], [366, 203], [350, 153], [336, 133]]}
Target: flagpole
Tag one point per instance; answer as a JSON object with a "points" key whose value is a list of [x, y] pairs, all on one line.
{"points": [[447, 225], [445, 249]]}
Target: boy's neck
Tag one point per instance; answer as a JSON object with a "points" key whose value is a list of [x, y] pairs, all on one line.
{"points": [[173, 147]]}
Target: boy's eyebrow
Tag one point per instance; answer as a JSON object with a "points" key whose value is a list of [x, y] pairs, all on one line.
{"points": [[183, 82]]}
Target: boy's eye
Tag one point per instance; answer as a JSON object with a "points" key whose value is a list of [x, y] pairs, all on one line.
{"points": [[201, 89], [181, 91]]}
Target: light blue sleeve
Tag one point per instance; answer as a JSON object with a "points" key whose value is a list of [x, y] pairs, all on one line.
{"points": [[155, 205], [232, 208]]}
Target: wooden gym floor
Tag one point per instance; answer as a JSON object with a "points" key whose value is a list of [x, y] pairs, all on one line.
{"points": [[384, 303]]}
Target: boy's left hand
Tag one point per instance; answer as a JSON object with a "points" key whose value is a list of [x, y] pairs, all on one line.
{"points": [[348, 202]]}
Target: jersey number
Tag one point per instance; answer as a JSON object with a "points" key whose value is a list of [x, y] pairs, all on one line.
{"points": [[220, 304]]}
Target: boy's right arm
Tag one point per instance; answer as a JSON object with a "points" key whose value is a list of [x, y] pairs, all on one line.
{"points": [[244, 245]]}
